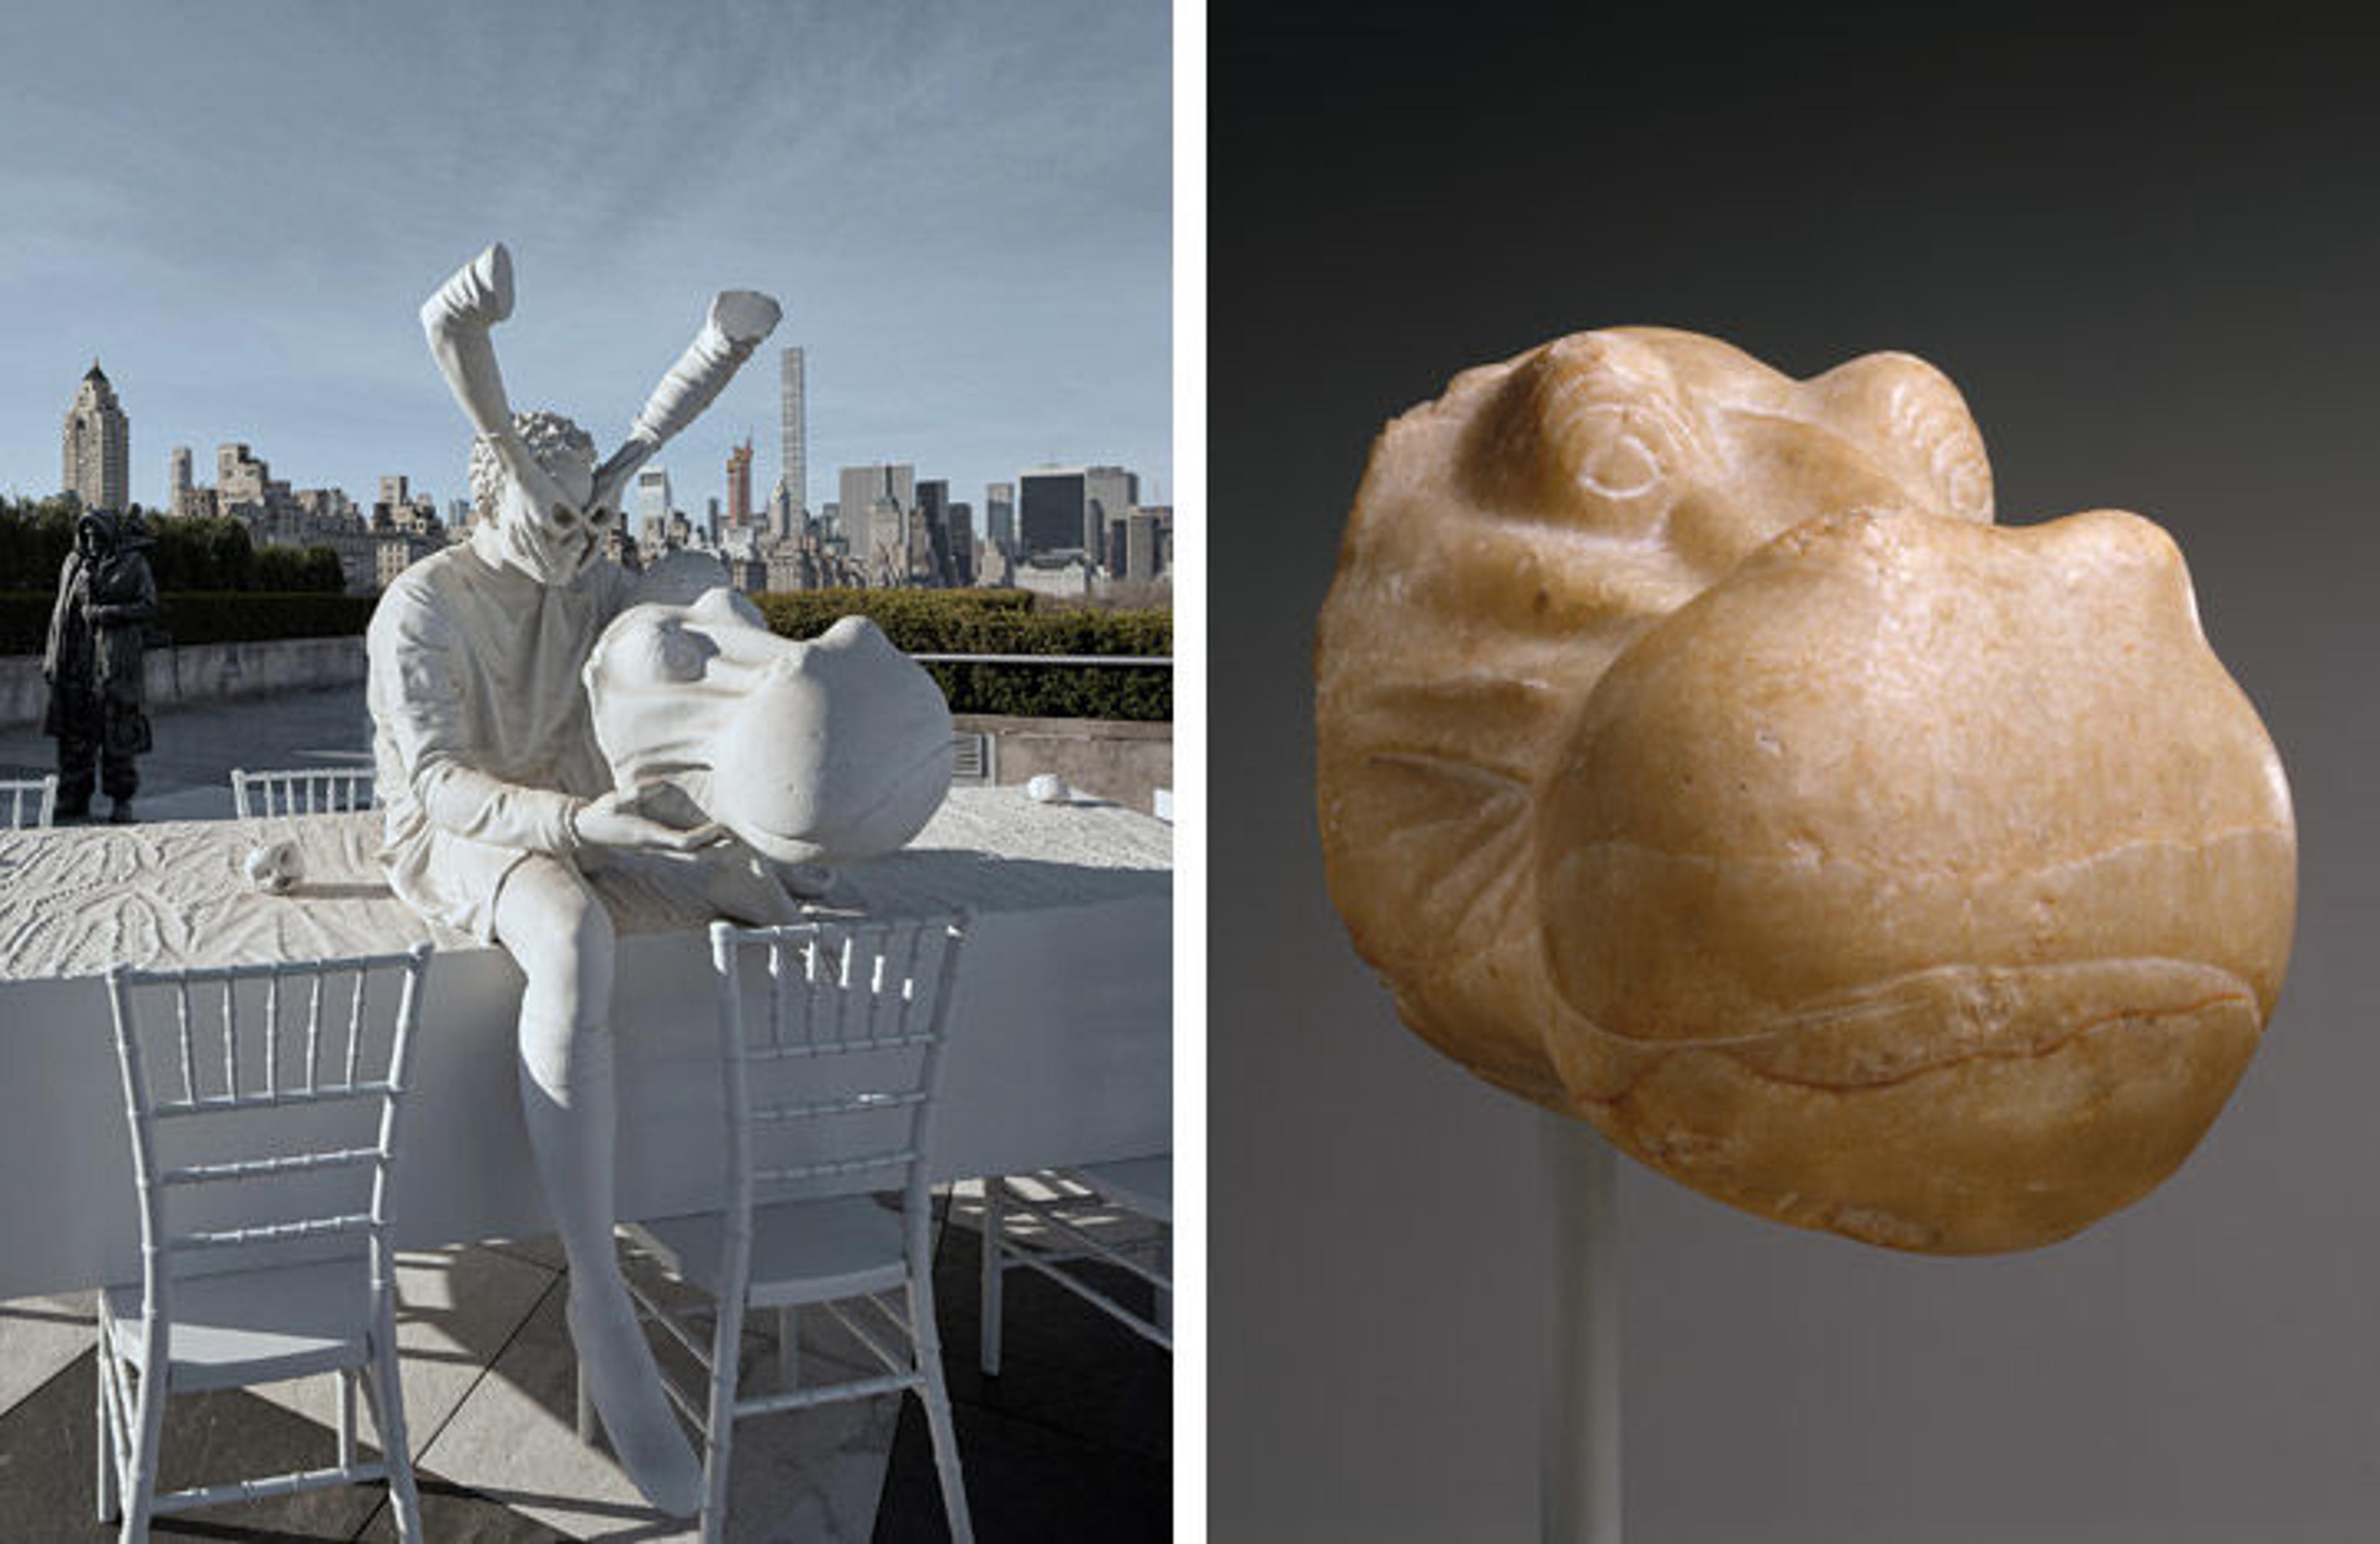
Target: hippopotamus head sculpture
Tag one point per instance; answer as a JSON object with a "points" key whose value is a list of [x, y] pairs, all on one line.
{"points": [[832, 749]]}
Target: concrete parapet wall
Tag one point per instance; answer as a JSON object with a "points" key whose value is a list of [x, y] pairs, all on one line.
{"points": [[206, 671], [1124, 762]]}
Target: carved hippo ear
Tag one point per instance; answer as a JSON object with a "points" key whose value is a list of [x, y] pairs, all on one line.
{"points": [[1910, 416], [1923, 881]]}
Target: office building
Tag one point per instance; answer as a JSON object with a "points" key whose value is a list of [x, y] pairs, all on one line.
{"points": [[97, 446], [962, 548], [739, 486], [931, 560], [860, 486], [177, 476], [653, 504], [999, 517], [1109, 495], [793, 469], [1051, 501]]}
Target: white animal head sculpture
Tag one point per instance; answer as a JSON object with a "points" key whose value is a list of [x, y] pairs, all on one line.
{"points": [[831, 751]]}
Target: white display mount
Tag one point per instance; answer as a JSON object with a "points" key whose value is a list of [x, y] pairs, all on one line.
{"points": [[1579, 1456]]}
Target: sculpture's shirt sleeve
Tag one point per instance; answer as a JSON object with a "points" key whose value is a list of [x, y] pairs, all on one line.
{"points": [[427, 719]]}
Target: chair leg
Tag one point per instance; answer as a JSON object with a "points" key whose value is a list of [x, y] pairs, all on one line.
{"points": [[936, 1396], [718, 1423], [107, 1507], [995, 1197], [347, 1376], [140, 1479], [387, 1394]]}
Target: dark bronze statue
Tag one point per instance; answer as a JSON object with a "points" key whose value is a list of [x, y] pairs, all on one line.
{"points": [[107, 600]]}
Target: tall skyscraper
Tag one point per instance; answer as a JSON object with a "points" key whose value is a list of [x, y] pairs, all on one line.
{"points": [[739, 485], [97, 446], [1000, 517], [794, 473], [177, 476]]}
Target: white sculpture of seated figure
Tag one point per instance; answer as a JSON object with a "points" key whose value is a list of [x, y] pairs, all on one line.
{"points": [[500, 801]]}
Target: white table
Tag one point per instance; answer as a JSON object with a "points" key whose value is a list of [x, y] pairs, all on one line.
{"points": [[1061, 1050]]}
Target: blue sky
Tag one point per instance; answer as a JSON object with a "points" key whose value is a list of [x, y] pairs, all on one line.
{"points": [[237, 207]]}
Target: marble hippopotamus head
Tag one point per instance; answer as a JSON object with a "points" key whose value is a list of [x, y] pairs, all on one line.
{"points": [[832, 749]]}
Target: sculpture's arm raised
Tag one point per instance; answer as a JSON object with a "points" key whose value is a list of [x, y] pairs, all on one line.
{"points": [[739, 321], [456, 321]]}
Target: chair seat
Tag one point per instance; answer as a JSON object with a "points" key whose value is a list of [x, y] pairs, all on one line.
{"points": [[1142, 1184], [255, 1326], [802, 1251]]}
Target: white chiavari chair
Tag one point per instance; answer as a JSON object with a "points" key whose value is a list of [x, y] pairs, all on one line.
{"points": [[264, 1103], [28, 802], [1117, 1215], [301, 791], [829, 1079]]}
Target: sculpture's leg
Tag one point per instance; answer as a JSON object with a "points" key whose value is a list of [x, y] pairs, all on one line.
{"points": [[561, 935]]}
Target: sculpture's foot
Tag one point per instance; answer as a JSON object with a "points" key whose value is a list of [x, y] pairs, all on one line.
{"points": [[626, 1386]]}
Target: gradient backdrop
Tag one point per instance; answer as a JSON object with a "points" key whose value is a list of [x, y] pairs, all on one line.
{"points": [[2152, 261]]}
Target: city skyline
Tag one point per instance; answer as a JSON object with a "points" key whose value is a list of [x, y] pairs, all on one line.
{"points": [[970, 236]]}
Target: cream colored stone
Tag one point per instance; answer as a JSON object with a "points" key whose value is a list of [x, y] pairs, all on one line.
{"points": [[1507, 541], [1923, 881]]}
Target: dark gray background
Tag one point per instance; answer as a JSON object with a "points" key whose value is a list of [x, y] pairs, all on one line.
{"points": [[2152, 261]]}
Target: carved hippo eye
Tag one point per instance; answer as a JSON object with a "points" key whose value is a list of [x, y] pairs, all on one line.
{"points": [[598, 515], [1610, 453], [563, 516]]}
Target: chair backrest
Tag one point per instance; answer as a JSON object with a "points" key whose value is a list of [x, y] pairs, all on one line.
{"points": [[264, 1104], [301, 791], [831, 1041], [28, 802]]}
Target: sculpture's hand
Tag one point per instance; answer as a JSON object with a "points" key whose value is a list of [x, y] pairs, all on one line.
{"points": [[456, 320], [618, 820], [743, 317]]}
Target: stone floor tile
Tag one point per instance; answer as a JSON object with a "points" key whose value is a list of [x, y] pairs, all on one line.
{"points": [[38, 1336], [514, 1440], [49, 1444], [1025, 1483], [457, 1309]]}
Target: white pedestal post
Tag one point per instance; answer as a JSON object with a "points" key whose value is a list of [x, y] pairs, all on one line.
{"points": [[1580, 1456]]}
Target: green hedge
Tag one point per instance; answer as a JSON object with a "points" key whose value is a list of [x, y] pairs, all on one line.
{"points": [[920, 621], [206, 616], [1004, 622], [198, 553]]}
